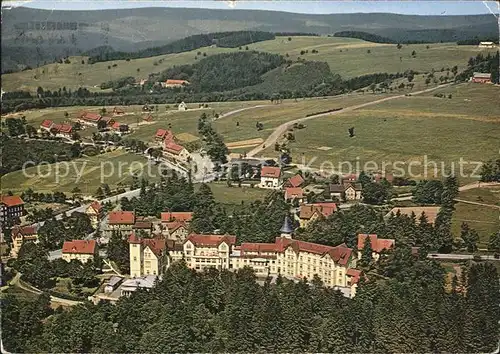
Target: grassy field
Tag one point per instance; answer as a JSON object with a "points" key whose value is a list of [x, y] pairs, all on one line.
{"points": [[347, 56], [484, 220], [83, 172], [236, 195], [466, 126]]}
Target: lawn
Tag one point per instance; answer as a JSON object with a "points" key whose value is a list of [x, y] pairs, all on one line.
{"points": [[113, 168], [347, 56], [236, 195], [406, 130], [490, 195], [484, 220]]}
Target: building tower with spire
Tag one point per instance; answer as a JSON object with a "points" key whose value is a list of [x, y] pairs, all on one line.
{"points": [[287, 228]]}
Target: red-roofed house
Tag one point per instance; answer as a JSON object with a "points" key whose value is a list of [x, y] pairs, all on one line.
{"points": [[294, 193], [89, 118], [46, 125], [353, 277], [176, 230], [295, 181], [118, 111], [63, 130], [175, 151], [11, 206], [121, 221], [82, 250], [120, 128], [21, 235], [163, 134], [378, 244], [184, 216], [174, 83], [270, 177], [148, 256], [311, 212], [94, 211]]}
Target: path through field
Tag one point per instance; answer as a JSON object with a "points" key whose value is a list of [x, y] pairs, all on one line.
{"points": [[275, 135]]}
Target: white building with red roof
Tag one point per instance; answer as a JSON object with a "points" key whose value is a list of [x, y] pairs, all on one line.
{"points": [[378, 245], [94, 212], [294, 193], [270, 177], [20, 235], [11, 206], [175, 151], [46, 125], [164, 134], [121, 221], [89, 118], [170, 83], [82, 250]]}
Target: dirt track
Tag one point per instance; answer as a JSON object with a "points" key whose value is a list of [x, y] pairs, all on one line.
{"points": [[273, 138]]}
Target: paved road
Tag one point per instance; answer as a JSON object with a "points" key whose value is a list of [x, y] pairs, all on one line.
{"points": [[477, 203], [278, 132], [453, 256]]}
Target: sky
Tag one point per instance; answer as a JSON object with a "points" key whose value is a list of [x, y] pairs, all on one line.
{"points": [[418, 7]]}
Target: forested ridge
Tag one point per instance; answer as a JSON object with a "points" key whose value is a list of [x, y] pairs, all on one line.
{"points": [[220, 39], [403, 309]]}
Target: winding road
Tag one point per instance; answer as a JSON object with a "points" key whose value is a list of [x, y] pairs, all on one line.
{"points": [[278, 132]]}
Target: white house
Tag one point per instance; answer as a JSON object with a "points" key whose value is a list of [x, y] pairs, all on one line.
{"points": [[270, 177], [486, 45], [182, 106]]}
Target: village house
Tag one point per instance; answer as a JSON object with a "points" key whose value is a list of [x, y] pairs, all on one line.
{"points": [[176, 231], [94, 212], [377, 244], [310, 212], [121, 221], [11, 206], [291, 258], [120, 129], [182, 107], [294, 194], [46, 125], [346, 192], [62, 130], [147, 256], [170, 83], [486, 45], [130, 286], [20, 235], [481, 78], [82, 250], [270, 177], [295, 181], [176, 151], [118, 111], [145, 227], [109, 121], [183, 216], [89, 118], [163, 135]]}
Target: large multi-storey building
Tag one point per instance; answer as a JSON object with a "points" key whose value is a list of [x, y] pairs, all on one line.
{"points": [[82, 250], [11, 207], [290, 258], [122, 221]]}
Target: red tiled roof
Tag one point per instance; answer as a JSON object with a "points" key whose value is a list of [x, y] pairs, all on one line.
{"points": [[175, 225], [177, 216], [377, 244], [308, 210], [65, 128], [116, 126], [272, 172], [96, 206], [291, 192], [164, 134], [90, 116], [47, 123], [12, 200], [121, 217], [79, 246], [155, 244], [143, 225], [134, 239], [296, 181], [24, 230], [211, 240], [176, 82], [355, 274], [258, 247], [339, 254], [172, 147]]}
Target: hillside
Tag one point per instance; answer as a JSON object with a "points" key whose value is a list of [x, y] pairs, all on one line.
{"points": [[74, 32], [347, 57]]}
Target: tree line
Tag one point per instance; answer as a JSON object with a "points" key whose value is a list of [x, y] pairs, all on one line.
{"points": [[404, 306], [481, 63], [220, 39]]}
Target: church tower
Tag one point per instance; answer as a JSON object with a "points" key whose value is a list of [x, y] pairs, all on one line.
{"points": [[287, 228]]}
